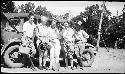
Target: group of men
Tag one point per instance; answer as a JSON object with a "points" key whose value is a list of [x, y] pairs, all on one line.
{"points": [[49, 33]]}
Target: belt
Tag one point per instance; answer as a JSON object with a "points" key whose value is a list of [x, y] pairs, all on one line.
{"points": [[54, 38], [78, 40], [69, 41], [30, 38]]}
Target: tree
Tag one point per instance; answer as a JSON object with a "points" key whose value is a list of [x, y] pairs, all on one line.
{"points": [[16, 10], [115, 29], [7, 6], [28, 7], [66, 16], [124, 13], [43, 11]]}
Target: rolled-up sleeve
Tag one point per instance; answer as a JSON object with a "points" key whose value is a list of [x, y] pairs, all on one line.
{"points": [[25, 26], [85, 34]]}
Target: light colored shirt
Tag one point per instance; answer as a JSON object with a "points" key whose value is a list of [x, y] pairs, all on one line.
{"points": [[28, 28], [68, 34], [81, 35], [43, 30], [43, 33], [53, 33]]}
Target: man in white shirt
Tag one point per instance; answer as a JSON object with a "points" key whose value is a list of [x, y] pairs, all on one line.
{"points": [[28, 29], [42, 30], [55, 46], [42, 33]]}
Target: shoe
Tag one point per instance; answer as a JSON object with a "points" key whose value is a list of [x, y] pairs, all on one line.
{"points": [[40, 67], [50, 68], [56, 66], [44, 67], [66, 67], [72, 68], [33, 68], [81, 68]]}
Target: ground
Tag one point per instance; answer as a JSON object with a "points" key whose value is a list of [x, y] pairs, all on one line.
{"points": [[105, 62]]}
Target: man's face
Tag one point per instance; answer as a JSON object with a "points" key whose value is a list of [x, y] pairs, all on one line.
{"points": [[31, 19], [66, 24], [53, 22], [79, 22], [44, 19], [53, 26]]}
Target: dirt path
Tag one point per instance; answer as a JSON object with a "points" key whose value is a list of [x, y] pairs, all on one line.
{"points": [[105, 62]]}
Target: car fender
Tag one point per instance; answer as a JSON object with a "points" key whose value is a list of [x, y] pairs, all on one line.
{"points": [[93, 48], [88, 45], [9, 42]]}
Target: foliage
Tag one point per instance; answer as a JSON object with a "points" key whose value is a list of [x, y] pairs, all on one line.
{"points": [[66, 16], [43, 11], [26, 8], [30, 7], [7, 6]]}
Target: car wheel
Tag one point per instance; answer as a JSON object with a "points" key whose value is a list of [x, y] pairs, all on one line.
{"points": [[13, 58], [87, 57]]}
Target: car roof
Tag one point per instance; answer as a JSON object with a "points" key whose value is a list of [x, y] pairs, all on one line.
{"points": [[16, 15], [25, 15], [3, 16]]}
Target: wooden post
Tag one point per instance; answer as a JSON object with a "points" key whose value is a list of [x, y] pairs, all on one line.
{"points": [[116, 44], [99, 30]]}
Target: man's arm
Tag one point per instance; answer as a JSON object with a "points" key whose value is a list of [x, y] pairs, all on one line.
{"points": [[24, 29], [74, 35], [64, 34], [85, 34]]}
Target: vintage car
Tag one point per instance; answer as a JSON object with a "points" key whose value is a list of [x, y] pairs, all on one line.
{"points": [[11, 33]]}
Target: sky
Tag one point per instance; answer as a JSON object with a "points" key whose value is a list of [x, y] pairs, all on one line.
{"points": [[74, 7]]}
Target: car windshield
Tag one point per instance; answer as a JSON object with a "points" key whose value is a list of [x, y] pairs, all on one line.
{"points": [[15, 23]]}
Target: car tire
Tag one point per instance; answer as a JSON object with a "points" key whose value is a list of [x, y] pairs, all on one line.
{"points": [[91, 60], [8, 61]]}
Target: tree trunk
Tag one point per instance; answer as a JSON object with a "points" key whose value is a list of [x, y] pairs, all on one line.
{"points": [[116, 44], [99, 30]]}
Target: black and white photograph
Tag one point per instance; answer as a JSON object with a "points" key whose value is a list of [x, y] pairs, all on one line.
{"points": [[62, 37]]}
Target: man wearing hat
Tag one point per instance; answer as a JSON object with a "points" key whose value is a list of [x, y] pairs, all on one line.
{"points": [[55, 46], [43, 35]]}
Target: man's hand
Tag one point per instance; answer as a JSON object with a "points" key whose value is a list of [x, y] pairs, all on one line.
{"points": [[24, 34]]}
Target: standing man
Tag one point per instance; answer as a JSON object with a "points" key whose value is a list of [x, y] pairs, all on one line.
{"points": [[43, 36], [55, 46], [42, 31], [28, 29]]}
